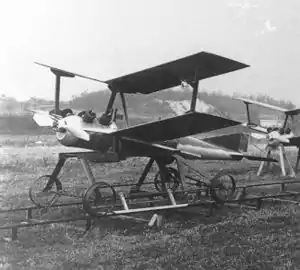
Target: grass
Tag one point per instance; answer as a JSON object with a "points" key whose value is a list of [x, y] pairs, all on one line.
{"points": [[230, 239]]}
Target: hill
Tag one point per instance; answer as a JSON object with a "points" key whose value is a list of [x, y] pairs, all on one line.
{"points": [[141, 108], [172, 101]]}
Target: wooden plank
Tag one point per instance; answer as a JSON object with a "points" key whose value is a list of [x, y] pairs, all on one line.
{"points": [[123, 201], [172, 199], [2, 211], [42, 222], [258, 184], [282, 200]]}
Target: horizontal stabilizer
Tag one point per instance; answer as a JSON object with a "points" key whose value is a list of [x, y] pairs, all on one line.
{"points": [[194, 67], [271, 107], [176, 127]]}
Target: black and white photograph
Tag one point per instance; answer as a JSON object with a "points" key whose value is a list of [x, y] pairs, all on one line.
{"points": [[138, 134]]}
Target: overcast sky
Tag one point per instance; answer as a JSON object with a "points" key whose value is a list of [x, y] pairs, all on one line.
{"points": [[106, 39]]}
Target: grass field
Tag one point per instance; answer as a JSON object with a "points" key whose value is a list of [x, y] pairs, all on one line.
{"points": [[230, 239]]}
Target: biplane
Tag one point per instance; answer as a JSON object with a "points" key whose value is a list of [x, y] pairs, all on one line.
{"points": [[278, 137], [164, 142]]}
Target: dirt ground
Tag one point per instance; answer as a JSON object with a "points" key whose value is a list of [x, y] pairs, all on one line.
{"points": [[230, 239]]}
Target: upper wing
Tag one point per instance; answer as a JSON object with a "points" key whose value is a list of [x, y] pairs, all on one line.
{"points": [[176, 127], [191, 68], [272, 107]]}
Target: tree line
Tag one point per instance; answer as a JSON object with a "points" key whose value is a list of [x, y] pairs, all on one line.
{"points": [[152, 104]]}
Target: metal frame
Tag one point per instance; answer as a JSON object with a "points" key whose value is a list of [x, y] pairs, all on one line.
{"points": [[283, 157], [156, 218], [83, 157]]}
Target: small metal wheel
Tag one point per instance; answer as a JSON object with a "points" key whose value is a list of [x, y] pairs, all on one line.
{"points": [[99, 198], [222, 187], [172, 182], [41, 196]]}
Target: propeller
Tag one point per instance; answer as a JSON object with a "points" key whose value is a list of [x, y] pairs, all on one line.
{"points": [[275, 136], [75, 130], [44, 119]]}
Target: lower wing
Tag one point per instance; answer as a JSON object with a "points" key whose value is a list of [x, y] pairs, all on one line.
{"points": [[176, 127]]}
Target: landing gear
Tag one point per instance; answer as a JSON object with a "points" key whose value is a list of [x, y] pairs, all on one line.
{"points": [[221, 187], [172, 180], [283, 157], [45, 191], [99, 198]]}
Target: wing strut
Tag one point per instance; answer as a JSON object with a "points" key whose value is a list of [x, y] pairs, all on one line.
{"points": [[124, 108], [111, 99], [194, 96], [58, 74], [286, 119], [248, 113], [194, 85]]}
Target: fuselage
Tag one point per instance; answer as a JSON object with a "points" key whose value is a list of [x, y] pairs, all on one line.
{"points": [[102, 141]]}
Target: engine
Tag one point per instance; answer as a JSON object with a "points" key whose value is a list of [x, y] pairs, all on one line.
{"points": [[67, 139], [97, 140]]}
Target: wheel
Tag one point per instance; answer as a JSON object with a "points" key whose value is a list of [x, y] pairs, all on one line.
{"points": [[99, 198], [172, 182], [222, 187], [41, 196], [202, 190]]}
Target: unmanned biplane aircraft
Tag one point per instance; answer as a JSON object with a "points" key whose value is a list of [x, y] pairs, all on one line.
{"points": [[278, 137], [163, 141]]}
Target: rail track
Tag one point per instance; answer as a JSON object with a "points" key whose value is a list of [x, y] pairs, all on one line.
{"points": [[157, 203]]}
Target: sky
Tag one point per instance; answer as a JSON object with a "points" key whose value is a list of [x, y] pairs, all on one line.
{"points": [[107, 39]]}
